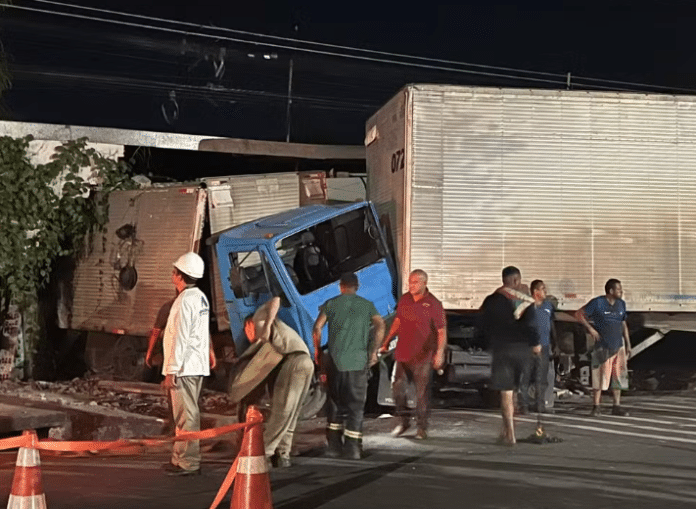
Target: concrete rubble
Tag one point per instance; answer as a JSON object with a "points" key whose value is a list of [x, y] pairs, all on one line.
{"points": [[99, 409]]}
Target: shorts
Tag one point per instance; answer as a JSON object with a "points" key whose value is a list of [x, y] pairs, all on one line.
{"points": [[612, 373], [508, 364]]}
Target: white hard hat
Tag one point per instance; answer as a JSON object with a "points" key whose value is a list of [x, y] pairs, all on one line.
{"points": [[191, 264]]}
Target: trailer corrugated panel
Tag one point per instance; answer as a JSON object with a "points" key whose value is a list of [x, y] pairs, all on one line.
{"points": [[148, 230], [239, 199], [571, 187], [386, 142]]}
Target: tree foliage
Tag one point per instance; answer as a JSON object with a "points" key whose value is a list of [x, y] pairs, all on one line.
{"points": [[47, 210]]}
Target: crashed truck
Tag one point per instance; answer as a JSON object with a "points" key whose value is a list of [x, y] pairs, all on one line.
{"points": [[572, 187], [122, 281]]}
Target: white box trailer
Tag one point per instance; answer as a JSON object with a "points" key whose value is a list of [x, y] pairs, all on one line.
{"points": [[571, 187]]}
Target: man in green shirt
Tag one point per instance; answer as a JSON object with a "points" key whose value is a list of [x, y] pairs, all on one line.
{"points": [[350, 355]]}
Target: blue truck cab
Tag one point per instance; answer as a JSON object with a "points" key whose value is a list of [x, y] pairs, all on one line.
{"points": [[299, 256]]}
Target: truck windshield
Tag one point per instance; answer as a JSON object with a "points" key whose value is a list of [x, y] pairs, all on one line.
{"points": [[317, 256]]}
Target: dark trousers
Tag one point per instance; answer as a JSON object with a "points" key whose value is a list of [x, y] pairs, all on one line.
{"points": [[347, 394], [420, 373], [535, 373]]}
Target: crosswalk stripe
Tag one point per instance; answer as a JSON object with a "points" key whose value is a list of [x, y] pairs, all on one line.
{"points": [[683, 408], [552, 419]]}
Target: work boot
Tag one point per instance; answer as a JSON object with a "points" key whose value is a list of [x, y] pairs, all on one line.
{"points": [[353, 449], [334, 442], [617, 410]]}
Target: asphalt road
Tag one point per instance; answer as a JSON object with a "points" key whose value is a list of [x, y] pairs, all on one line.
{"points": [[645, 460]]}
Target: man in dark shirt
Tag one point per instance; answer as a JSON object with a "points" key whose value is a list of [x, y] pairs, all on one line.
{"points": [[540, 370], [420, 324], [507, 321], [612, 344], [350, 354]]}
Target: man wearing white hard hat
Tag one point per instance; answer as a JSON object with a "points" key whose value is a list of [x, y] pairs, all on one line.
{"points": [[187, 359]]}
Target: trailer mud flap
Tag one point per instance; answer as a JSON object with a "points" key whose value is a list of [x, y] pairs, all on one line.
{"points": [[385, 395]]}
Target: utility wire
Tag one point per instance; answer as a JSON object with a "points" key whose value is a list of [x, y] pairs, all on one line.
{"points": [[293, 48], [559, 76], [199, 91], [301, 41]]}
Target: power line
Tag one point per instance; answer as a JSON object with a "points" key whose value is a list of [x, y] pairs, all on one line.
{"points": [[198, 91], [301, 41], [559, 76], [292, 48], [356, 57]]}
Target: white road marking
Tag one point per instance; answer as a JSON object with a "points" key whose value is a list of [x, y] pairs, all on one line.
{"points": [[682, 408], [552, 420]]}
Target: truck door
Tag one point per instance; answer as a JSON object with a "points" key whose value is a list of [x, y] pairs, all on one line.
{"points": [[248, 282]]}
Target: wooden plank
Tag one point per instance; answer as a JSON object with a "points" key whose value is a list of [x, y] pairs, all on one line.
{"points": [[135, 387], [282, 149]]}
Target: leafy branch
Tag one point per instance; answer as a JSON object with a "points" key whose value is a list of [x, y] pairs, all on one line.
{"points": [[48, 210]]}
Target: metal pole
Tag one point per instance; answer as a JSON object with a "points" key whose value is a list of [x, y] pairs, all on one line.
{"points": [[287, 114]]}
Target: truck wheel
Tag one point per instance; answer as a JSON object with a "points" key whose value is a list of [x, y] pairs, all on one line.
{"points": [[129, 358], [314, 401]]}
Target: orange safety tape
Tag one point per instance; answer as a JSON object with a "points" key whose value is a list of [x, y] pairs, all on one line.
{"points": [[225, 486], [50, 445], [14, 442]]}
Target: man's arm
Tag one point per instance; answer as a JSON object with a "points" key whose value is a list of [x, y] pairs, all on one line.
{"points": [[151, 343], [580, 317], [439, 359], [393, 330], [272, 307], [211, 353], [316, 335], [379, 328], [627, 339]]}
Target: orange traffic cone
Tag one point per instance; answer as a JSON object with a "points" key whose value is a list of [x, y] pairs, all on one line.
{"points": [[27, 492], [252, 485]]}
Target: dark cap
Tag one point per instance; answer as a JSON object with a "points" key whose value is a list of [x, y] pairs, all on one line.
{"points": [[349, 279]]}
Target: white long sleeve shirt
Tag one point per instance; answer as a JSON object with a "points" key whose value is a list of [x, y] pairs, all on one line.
{"points": [[186, 341]]}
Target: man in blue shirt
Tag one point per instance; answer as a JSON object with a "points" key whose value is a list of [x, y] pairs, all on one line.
{"points": [[540, 369], [612, 344]]}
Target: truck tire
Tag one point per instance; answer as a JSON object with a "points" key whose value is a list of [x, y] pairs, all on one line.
{"points": [[129, 358], [314, 401]]}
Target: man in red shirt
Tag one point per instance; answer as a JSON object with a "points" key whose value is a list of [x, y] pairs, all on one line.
{"points": [[420, 324]]}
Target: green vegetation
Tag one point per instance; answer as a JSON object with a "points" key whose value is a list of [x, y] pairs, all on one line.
{"points": [[47, 211]]}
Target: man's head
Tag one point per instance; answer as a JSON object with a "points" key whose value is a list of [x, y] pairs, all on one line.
{"points": [[179, 278], [613, 289], [417, 282], [538, 290], [349, 283], [190, 267], [250, 328], [512, 277]]}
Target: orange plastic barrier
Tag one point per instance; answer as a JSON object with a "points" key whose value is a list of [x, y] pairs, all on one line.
{"points": [[27, 490], [252, 489], [250, 463]]}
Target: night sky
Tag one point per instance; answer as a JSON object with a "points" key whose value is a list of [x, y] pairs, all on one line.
{"points": [[89, 72]]}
